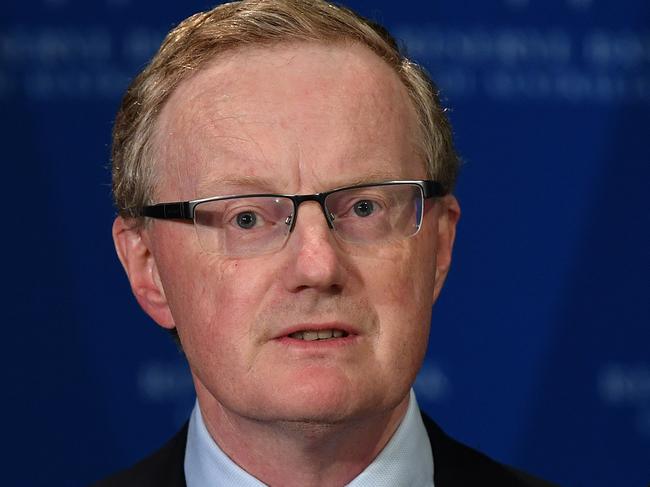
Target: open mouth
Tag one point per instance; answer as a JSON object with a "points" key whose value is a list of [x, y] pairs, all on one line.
{"points": [[311, 335]]}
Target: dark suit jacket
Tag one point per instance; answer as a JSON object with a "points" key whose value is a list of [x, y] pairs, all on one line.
{"points": [[455, 465]]}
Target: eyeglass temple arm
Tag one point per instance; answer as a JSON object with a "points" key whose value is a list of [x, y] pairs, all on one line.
{"points": [[180, 210]]}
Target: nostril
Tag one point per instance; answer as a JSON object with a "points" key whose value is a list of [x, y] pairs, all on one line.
{"points": [[335, 289]]}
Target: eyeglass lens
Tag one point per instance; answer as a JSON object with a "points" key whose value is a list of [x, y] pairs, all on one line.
{"points": [[244, 225]]}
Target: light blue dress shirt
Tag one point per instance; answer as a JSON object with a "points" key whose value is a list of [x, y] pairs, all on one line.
{"points": [[406, 460]]}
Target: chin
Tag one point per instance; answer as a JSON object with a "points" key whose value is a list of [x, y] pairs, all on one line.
{"points": [[326, 401]]}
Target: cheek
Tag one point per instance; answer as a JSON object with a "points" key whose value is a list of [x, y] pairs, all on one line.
{"points": [[223, 300], [402, 287], [215, 323], [403, 305], [205, 294], [404, 278]]}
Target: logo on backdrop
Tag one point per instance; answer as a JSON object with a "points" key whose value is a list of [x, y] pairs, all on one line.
{"points": [[519, 63], [432, 384], [167, 383], [505, 63], [627, 386]]}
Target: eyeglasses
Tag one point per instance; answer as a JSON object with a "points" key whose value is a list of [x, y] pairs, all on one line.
{"points": [[254, 224]]}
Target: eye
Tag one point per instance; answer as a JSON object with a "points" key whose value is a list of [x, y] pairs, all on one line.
{"points": [[364, 208], [246, 219]]}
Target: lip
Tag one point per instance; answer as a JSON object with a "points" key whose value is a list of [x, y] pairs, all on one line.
{"points": [[348, 329]]}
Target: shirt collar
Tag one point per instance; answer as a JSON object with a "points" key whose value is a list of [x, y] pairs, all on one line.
{"points": [[405, 460]]}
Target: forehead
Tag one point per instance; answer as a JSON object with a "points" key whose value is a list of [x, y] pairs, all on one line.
{"points": [[291, 117]]}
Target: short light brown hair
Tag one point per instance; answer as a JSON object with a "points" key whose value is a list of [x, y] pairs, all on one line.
{"points": [[202, 37]]}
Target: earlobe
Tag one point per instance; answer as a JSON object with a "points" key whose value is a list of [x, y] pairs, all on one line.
{"points": [[448, 215], [141, 269]]}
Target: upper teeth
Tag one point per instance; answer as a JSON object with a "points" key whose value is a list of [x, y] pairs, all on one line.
{"points": [[316, 335]]}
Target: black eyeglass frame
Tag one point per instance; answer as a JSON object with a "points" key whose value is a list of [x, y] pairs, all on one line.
{"points": [[184, 210]]}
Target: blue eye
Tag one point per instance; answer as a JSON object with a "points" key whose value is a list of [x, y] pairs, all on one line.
{"points": [[364, 208], [246, 219]]}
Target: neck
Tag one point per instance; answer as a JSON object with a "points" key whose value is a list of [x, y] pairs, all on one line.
{"points": [[293, 453]]}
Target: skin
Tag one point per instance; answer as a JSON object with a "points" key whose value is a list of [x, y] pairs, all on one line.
{"points": [[293, 118]]}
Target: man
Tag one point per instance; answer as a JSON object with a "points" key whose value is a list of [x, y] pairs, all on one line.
{"points": [[283, 179]]}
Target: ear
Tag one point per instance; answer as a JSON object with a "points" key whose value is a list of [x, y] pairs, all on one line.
{"points": [[139, 263], [448, 213]]}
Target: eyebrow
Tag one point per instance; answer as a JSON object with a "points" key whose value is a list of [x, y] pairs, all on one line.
{"points": [[214, 185], [369, 178], [258, 184]]}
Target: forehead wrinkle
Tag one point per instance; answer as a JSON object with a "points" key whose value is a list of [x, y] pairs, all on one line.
{"points": [[386, 101], [203, 141], [373, 92], [163, 153], [371, 88]]}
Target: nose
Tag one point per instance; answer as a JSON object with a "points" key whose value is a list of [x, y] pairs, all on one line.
{"points": [[314, 258]]}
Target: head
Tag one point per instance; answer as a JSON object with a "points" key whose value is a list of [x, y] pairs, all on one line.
{"points": [[294, 97]]}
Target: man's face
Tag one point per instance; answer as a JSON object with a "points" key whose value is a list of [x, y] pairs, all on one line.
{"points": [[296, 118]]}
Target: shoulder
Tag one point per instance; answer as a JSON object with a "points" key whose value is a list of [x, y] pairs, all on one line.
{"points": [[456, 464], [164, 468]]}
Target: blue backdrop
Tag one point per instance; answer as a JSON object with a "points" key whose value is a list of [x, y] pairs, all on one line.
{"points": [[539, 353]]}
